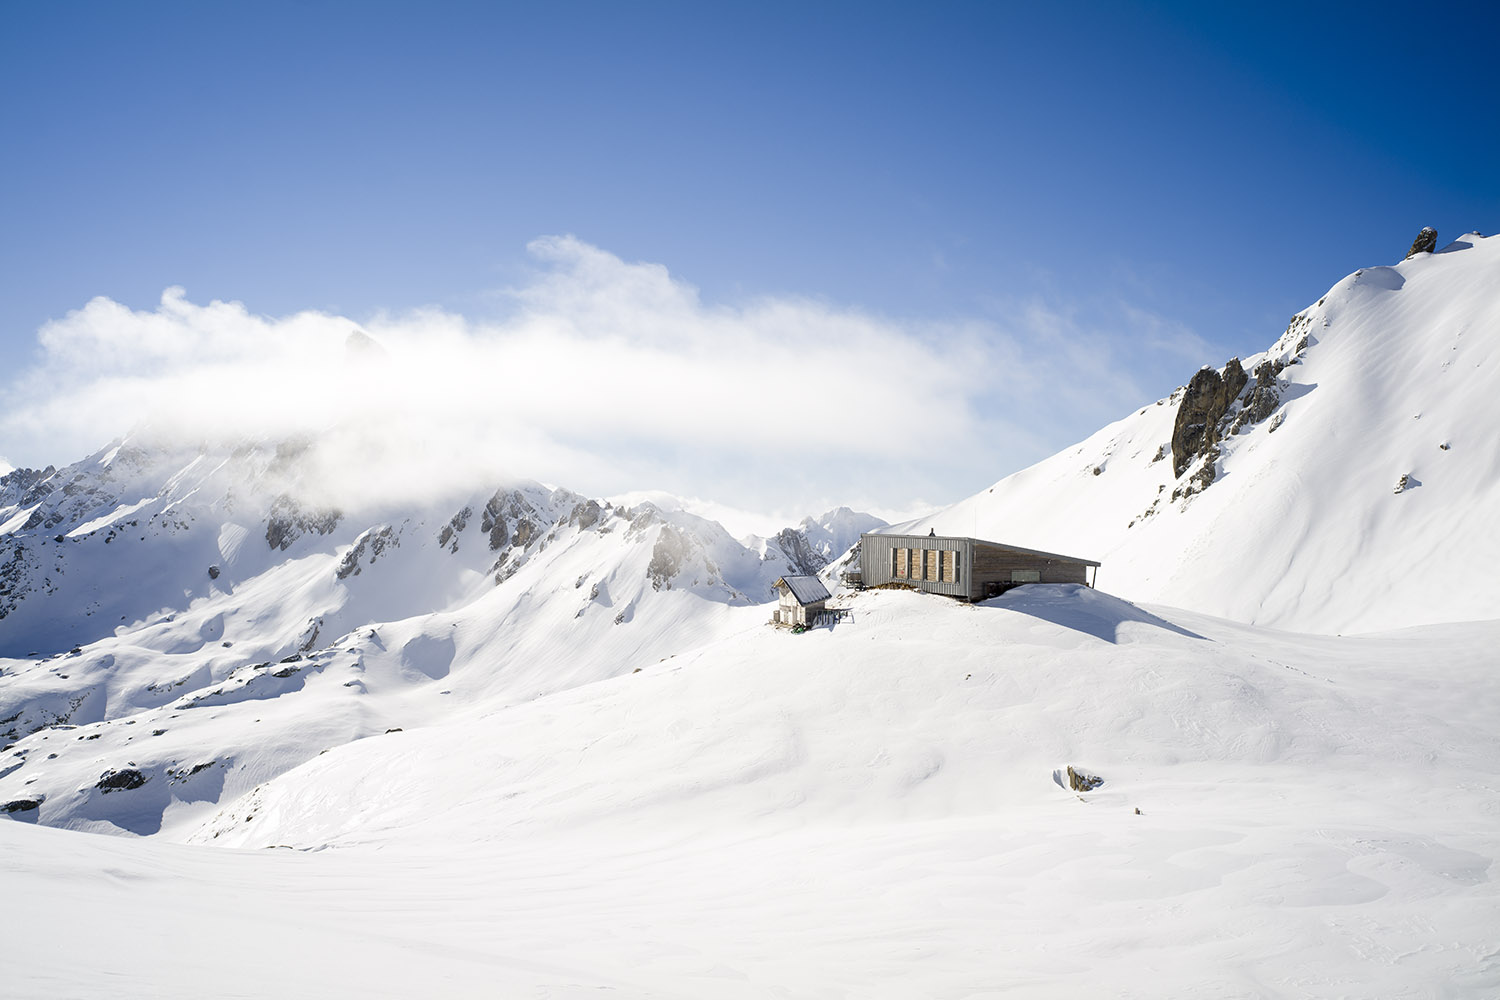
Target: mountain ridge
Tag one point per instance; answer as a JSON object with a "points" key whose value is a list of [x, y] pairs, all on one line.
{"points": [[1346, 486]]}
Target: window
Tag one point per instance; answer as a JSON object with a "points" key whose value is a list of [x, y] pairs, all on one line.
{"points": [[1025, 576], [948, 572]]}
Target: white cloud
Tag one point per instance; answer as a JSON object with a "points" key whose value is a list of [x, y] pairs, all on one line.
{"points": [[606, 376]]}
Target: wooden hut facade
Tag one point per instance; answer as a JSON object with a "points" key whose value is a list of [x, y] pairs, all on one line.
{"points": [[800, 599], [969, 569]]}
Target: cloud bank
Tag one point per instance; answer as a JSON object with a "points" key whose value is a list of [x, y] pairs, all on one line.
{"points": [[604, 376]]}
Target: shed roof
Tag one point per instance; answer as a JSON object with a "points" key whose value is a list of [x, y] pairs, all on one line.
{"points": [[806, 589], [985, 541]]}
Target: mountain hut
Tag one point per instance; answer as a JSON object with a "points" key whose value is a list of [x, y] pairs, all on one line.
{"points": [[970, 569], [801, 599]]}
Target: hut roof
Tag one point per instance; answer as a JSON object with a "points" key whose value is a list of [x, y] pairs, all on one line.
{"points": [[806, 589], [997, 545]]}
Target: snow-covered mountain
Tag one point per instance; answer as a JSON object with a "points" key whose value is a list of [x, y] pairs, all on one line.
{"points": [[561, 732], [153, 601], [1347, 479]]}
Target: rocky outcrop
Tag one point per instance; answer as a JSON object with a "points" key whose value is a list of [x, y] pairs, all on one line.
{"points": [[120, 781], [1263, 399], [1426, 242], [1079, 781], [19, 487], [1215, 406], [667, 557], [288, 522], [509, 516], [586, 515], [448, 537], [1204, 403], [373, 543], [801, 559]]}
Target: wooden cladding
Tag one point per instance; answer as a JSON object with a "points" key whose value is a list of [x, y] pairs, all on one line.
{"points": [[966, 568], [928, 565]]}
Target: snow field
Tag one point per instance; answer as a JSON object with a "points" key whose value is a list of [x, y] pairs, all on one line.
{"points": [[866, 811]]}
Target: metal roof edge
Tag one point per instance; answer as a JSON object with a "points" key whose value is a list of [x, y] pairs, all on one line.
{"points": [[986, 541]]}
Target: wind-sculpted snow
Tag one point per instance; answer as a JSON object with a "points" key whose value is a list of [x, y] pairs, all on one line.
{"points": [[865, 809]]}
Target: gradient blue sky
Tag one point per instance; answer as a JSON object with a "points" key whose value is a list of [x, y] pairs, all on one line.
{"points": [[1203, 169]]}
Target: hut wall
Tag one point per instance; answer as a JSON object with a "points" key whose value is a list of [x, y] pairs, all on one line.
{"points": [[997, 564], [936, 565]]}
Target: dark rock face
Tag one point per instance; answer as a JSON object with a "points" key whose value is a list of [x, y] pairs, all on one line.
{"points": [[373, 543], [20, 805], [507, 508], [116, 781], [449, 535], [586, 515], [1204, 403], [492, 522], [1426, 242], [1263, 398], [526, 531], [22, 487], [287, 522]]}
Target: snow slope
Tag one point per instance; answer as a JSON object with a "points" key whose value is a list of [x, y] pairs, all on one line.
{"points": [[1302, 527], [870, 810]]}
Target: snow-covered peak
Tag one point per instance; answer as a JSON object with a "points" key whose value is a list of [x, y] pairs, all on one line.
{"points": [[1352, 485]]}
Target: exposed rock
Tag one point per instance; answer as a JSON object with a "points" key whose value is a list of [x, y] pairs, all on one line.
{"points": [[801, 558], [115, 781], [20, 805], [454, 527], [1204, 404], [526, 531], [374, 542], [1078, 781], [213, 572], [508, 508], [1403, 484], [586, 515], [1426, 242], [23, 487], [288, 521], [666, 557], [492, 522], [1263, 397]]}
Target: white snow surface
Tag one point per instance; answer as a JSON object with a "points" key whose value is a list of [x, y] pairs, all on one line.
{"points": [[1302, 528], [867, 811], [523, 743]]}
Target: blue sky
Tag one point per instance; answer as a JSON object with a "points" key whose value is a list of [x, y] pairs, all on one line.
{"points": [[1165, 184]]}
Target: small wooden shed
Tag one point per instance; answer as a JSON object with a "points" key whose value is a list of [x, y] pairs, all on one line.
{"points": [[801, 599], [969, 569]]}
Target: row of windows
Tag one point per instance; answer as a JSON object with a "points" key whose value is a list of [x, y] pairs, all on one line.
{"points": [[937, 565]]}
